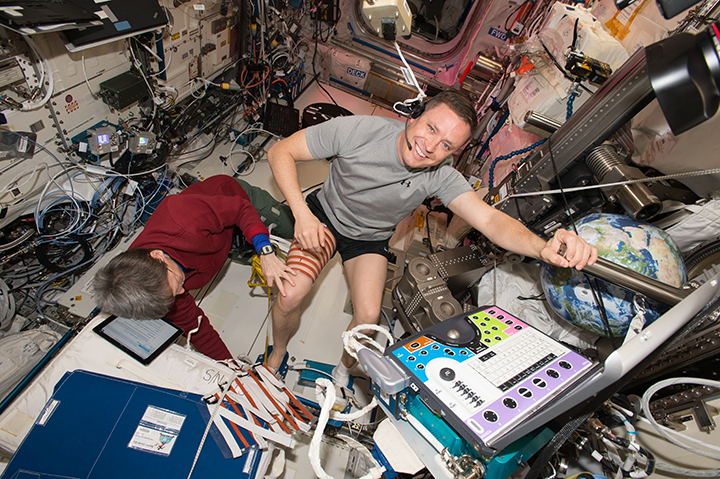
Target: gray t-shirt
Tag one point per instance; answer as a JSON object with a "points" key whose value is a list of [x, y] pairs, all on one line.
{"points": [[369, 191]]}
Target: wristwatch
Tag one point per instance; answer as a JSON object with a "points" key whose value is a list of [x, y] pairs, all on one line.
{"points": [[267, 249]]}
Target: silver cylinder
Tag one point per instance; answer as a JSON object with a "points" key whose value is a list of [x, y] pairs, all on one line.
{"points": [[636, 199], [637, 282], [541, 121], [486, 68], [602, 160]]}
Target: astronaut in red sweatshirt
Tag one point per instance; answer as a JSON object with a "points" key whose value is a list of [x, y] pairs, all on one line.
{"points": [[183, 245]]}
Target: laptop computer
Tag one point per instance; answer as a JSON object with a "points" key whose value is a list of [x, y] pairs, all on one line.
{"points": [[120, 19], [42, 16]]}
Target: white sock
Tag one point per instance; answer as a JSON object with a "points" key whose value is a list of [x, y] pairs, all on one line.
{"points": [[341, 375]]}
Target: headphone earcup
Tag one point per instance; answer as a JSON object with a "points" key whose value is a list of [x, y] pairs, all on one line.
{"points": [[417, 110]]}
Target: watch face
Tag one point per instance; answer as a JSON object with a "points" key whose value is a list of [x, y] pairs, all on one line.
{"points": [[267, 249]]}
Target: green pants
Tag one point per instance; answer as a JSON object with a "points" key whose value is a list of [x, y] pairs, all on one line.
{"points": [[277, 217]]}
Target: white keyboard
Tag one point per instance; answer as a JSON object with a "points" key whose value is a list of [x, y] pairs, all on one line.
{"points": [[516, 358]]}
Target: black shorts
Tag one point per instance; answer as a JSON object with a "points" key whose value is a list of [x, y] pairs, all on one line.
{"points": [[347, 247]]}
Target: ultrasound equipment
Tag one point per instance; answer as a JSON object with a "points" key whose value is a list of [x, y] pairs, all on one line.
{"points": [[483, 380]]}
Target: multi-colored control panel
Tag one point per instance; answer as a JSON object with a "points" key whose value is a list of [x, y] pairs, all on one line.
{"points": [[486, 371]]}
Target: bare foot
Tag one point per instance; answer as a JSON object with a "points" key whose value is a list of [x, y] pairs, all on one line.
{"points": [[275, 359]]}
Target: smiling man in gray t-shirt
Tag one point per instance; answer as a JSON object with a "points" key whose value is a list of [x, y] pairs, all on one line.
{"points": [[382, 170]]}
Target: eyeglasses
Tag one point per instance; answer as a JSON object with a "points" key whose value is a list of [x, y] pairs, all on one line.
{"points": [[181, 280]]}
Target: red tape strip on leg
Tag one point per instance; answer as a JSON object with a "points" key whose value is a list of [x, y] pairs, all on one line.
{"points": [[308, 263]]}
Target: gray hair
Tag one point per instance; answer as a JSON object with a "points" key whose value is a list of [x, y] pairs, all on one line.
{"points": [[134, 285]]}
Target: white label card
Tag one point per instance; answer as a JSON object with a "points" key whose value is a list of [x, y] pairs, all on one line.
{"points": [[157, 432]]}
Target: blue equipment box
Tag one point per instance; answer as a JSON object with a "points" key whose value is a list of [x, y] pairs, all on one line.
{"points": [[96, 426]]}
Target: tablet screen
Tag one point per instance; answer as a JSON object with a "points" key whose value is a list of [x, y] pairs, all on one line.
{"points": [[143, 339]]}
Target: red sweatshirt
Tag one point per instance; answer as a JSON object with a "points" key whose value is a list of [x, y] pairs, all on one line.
{"points": [[195, 228]]}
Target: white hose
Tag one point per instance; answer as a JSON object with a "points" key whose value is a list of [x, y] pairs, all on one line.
{"points": [[674, 469], [45, 65], [648, 415], [325, 395], [325, 411], [351, 339]]}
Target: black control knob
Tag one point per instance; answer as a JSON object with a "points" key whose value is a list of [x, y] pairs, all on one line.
{"points": [[447, 374], [539, 383], [552, 373], [509, 403], [490, 416], [565, 365]]}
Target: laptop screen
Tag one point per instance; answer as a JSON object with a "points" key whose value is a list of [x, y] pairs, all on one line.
{"points": [[120, 19], [42, 16]]}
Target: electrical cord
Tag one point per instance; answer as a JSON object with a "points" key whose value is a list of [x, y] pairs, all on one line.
{"points": [[628, 466], [87, 82], [651, 179], [597, 297], [562, 70], [685, 472]]}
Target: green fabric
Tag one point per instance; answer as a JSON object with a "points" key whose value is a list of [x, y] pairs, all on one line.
{"points": [[276, 216]]}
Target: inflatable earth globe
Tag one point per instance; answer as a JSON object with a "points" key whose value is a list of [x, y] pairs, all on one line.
{"points": [[638, 246]]}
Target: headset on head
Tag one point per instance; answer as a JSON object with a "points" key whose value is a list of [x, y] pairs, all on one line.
{"points": [[417, 108], [417, 105]]}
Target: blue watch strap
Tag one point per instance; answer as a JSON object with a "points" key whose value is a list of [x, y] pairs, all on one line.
{"points": [[260, 240]]}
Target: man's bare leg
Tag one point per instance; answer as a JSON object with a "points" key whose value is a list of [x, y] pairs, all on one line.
{"points": [[286, 312], [366, 276]]}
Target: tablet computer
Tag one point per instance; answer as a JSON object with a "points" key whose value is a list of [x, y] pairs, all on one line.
{"points": [[143, 339]]}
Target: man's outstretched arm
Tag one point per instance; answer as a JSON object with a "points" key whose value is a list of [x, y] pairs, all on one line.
{"points": [[510, 234]]}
